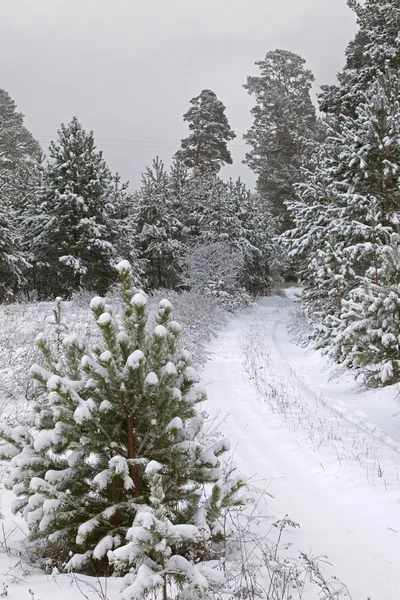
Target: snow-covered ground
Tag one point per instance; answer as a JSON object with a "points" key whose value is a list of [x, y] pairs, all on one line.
{"points": [[329, 456]]}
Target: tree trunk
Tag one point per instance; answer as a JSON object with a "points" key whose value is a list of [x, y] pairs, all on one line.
{"points": [[130, 428], [196, 156]]}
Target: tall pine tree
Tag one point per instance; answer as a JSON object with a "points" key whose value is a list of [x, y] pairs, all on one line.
{"points": [[206, 147], [284, 119]]}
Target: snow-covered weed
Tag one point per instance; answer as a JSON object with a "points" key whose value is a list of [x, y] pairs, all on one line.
{"points": [[200, 316], [267, 566], [309, 412]]}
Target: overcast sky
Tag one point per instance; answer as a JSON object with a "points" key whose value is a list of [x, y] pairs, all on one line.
{"points": [[128, 68]]}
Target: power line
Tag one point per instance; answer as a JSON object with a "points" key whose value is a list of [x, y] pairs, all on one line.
{"points": [[116, 143]]}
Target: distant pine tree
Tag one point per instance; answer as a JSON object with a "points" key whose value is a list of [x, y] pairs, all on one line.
{"points": [[16, 142], [284, 120], [158, 227], [12, 261], [19, 155], [206, 147]]}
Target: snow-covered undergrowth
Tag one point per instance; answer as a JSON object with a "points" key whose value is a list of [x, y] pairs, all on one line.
{"points": [[200, 317]]}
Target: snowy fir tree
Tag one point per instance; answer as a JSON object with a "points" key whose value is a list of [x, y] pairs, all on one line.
{"points": [[73, 243], [367, 335], [284, 119], [264, 264], [158, 227], [215, 212], [19, 155], [315, 243], [346, 232], [205, 149], [12, 261], [218, 217], [375, 47], [117, 472], [214, 269], [16, 142]]}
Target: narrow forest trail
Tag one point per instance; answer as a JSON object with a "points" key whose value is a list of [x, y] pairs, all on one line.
{"points": [[329, 456]]}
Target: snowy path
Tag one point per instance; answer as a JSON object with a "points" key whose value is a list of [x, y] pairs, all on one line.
{"points": [[330, 456]]}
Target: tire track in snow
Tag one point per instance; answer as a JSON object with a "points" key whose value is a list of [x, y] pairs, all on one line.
{"points": [[340, 513]]}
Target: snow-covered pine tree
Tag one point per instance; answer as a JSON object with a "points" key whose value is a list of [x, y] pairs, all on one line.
{"points": [[347, 228], [315, 244], [178, 177], [117, 459], [221, 220], [16, 142], [284, 118], [367, 335], [214, 268], [20, 192], [19, 152], [206, 147], [209, 210], [158, 228], [255, 237], [124, 204], [12, 261], [73, 243], [375, 47], [215, 212]]}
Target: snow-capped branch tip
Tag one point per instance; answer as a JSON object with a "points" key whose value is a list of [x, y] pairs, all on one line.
{"points": [[96, 303], [124, 266], [139, 300], [153, 467], [165, 305]]}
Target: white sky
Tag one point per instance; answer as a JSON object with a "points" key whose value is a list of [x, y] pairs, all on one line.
{"points": [[128, 68]]}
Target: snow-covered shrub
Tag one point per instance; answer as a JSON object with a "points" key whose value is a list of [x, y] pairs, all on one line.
{"points": [[215, 269], [117, 426], [200, 316]]}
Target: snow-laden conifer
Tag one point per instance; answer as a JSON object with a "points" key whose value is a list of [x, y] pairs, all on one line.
{"points": [[375, 47], [205, 149], [75, 233], [16, 142], [347, 230], [106, 413], [158, 227], [284, 119], [12, 261]]}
